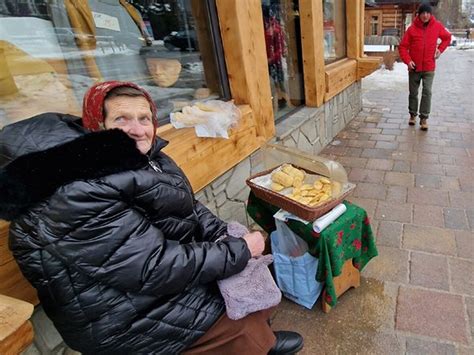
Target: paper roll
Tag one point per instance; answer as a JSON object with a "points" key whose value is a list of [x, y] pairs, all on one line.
{"points": [[325, 220]]}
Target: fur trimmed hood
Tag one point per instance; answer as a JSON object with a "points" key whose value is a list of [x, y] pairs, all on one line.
{"points": [[26, 179]]}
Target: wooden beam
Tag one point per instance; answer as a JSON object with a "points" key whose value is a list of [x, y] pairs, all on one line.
{"points": [[205, 159], [243, 39], [339, 76], [18, 341], [312, 34], [354, 11], [367, 65], [12, 282]]}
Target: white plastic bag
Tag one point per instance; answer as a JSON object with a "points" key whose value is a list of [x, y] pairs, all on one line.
{"points": [[290, 244], [211, 119]]}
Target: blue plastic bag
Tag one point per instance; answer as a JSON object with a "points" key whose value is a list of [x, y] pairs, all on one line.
{"points": [[295, 275]]}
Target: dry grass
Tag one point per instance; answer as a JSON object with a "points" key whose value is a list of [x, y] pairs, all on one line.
{"points": [[389, 59]]}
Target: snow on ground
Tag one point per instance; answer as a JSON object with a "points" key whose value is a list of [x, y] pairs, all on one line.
{"points": [[383, 79]]}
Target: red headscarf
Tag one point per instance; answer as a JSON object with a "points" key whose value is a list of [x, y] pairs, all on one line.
{"points": [[93, 104]]}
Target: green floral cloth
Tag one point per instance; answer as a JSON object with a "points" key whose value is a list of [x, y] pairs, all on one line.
{"points": [[348, 237]]}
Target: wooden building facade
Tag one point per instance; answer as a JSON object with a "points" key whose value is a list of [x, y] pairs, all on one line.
{"points": [[389, 17], [213, 165]]}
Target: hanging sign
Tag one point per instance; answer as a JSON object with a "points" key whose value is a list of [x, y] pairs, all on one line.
{"points": [[106, 21]]}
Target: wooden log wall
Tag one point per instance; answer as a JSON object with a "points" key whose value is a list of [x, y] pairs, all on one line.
{"points": [[12, 282]]}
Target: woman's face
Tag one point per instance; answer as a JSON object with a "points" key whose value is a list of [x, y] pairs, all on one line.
{"points": [[131, 114]]}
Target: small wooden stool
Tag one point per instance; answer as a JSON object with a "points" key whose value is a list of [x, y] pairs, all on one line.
{"points": [[349, 277], [16, 331]]}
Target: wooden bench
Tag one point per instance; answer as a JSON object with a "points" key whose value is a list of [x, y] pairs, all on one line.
{"points": [[17, 301]]}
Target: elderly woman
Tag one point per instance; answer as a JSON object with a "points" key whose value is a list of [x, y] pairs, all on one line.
{"points": [[106, 228]]}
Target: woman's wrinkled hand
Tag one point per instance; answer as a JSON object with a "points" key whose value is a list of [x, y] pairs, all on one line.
{"points": [[255, 243]]}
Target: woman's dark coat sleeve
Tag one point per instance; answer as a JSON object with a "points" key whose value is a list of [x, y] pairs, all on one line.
{"points": [[119, 246], [211, 226]]}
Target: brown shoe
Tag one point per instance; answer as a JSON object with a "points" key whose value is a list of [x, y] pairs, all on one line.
{"points": [[424, 124], [412, 120]]}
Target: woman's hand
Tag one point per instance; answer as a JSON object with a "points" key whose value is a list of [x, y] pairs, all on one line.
{"points": [[255, 243]]}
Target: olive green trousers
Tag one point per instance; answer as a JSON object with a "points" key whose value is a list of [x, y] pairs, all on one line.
{"points": [[414, 81]]}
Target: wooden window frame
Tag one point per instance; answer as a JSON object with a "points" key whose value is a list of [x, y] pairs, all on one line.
{"points": [[323, 82]]}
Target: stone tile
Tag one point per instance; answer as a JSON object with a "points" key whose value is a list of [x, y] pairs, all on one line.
{"points": [[353, 152], [382, 137], [462, 279], [450, 183], [461, 199], [428, 181], [361, 143], [470, 218], [379, 164], [376, 153], [429, 239], [399, 179], [402, 166], [455, 218], [430, 271], [389, 234], [466, 184], [428, 215], [470, 311], [352, 162], [458, 171], [430, 313], [394, 132], [386, 145], [369, 130], [405, 155], [390, 265], [397, 194], [367, 204], [46, 335], [428, 158], [388, 125], [365, 175], [428, 196], [394, 212], [419, 346], [405, 146], [372, 191], [465, 244], [455, 151], [429, 148], [446, 159], [427, 168]]}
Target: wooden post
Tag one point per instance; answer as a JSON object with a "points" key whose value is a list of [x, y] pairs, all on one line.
{"points": [[349, 277], [243, 39], [354, 11], [312, 34]]}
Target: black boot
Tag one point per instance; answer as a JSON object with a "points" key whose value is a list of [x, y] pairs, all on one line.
{"points": [[287, 343]]}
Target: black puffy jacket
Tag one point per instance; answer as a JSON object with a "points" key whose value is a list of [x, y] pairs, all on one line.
{"points": [[123, 257]]}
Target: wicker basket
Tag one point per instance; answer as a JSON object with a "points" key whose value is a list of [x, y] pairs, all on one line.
{"points": [[298, 209]]}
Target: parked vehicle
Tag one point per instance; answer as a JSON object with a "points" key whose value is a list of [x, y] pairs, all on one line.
{"points": [[184, 40]]}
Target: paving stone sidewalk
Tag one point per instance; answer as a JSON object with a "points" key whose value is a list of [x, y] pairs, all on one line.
{"points": [[417, 296]]}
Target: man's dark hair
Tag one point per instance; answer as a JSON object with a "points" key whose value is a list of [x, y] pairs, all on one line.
{"points": [[424, 8], [121, 91]]}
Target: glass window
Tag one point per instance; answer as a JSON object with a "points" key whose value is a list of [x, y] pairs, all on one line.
{"points": [[52, 51], [284, 54], [334, 12], [374, 25]]}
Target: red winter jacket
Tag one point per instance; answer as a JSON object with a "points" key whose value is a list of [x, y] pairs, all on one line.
{"points": [[420, 42]]}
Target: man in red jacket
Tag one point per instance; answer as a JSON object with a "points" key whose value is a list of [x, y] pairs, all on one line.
{"points": [[419, 50]]}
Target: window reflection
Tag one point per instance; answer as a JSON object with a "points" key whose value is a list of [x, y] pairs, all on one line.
{"points": [[52, 51], [334, 30], [283, 44]]}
